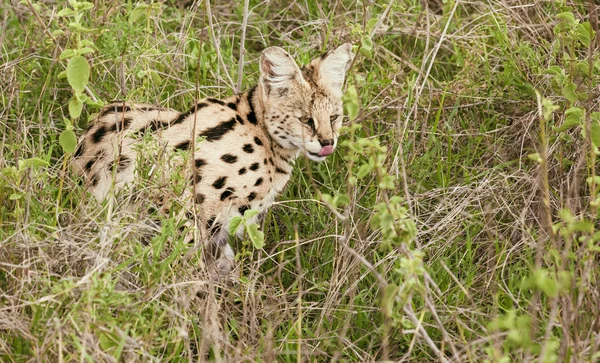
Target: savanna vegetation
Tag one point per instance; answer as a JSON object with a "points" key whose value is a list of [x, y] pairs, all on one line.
{"points": [[456, 221]]}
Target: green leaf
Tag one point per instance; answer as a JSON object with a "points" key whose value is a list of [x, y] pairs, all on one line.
{"points": [[366, 42], [566, 17], [584, 33], [14, 196], [65, 12], [67, 141], [137, 13], [364, 170], [351, 102], [75, 107], [388, 298], [78, 73], [535, 157], [234, 223], [548, 108], [595, 134], [554, 70], [569, 92], [67, 53], [250, 213], [83, 5], [342, 199], [85, 50], [366, 46], [155, 77], [256, 237], [32, 163]]}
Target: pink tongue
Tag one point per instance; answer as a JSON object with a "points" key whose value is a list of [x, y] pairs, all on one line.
{"points": [[326, 150]]}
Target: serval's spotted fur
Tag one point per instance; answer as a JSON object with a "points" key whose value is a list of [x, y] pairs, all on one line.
{"points": [[244, 146]]}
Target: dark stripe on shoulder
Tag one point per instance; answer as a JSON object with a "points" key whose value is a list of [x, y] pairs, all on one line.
{"points": [[189, 112], [217, 132], [279, 170], [252, 115], [116, 108], [121, 124], [99, 134], [214, 100]]}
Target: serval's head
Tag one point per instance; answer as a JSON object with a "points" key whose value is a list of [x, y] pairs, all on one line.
{"points": [[303, 107]]}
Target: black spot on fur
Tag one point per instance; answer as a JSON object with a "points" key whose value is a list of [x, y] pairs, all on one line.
{"points": [[80, 149], [243, 209], [199, 198], [232, 105], [254, 167], [239, 119], [94, 179], [280, 171], [220, 183], [185, 145], [124, 163], [217, 132], [248, 148], [212, 226], [257, 141], [242, 171], [259, 181], [99, 134], [214, 100], [88, 166], [184, 115], [251, 196], [227, 193], [200, 163], [196, 178], [229, 159]]}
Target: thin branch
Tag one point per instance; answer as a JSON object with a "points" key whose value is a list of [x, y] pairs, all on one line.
{"points": [[214, 41], [238, 86]]}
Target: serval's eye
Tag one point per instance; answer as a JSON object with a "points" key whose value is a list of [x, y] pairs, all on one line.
{"points": [[311, 123], [332, 118]]}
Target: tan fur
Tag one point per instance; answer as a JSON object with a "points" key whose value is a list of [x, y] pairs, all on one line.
{"points": [[244, 146]]}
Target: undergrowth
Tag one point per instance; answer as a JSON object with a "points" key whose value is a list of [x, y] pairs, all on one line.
{"points": [[455, 222]]}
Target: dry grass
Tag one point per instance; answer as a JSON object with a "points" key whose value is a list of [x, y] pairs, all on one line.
{"points": [[449, 91]]}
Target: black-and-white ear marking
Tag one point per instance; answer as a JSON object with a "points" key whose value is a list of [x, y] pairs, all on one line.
{"points": [[334, 66], [277, 68]]}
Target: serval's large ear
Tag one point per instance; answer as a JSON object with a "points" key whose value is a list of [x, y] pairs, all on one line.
{"points": [[332, 70], [277, 70]]}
